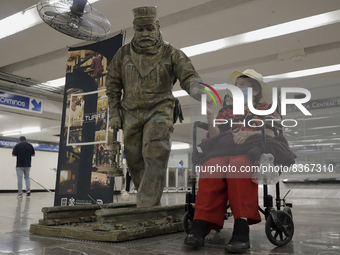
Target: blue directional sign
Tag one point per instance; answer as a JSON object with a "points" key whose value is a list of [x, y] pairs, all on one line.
{"points": [[36, 105], [37, 146], [27, 103]]}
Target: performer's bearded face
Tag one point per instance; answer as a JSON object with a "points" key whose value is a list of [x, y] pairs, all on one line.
{"points": [[146, 35]]}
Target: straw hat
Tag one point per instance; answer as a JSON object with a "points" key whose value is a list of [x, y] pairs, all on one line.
{"points": [[251, 73]]}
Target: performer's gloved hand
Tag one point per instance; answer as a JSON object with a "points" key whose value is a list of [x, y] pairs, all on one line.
{"points": [[116, 122]]}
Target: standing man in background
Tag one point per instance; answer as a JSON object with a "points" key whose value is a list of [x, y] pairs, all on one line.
{"points": [[24, 152], [181, 175]]}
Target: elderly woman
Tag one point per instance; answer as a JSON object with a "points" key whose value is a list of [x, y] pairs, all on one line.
{"points": [[238, 188]]}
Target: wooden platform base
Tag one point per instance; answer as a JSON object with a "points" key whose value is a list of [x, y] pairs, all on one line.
{"points": [[112, 223]]}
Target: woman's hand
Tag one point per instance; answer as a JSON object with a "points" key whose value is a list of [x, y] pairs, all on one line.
{"points": [[241, 136]]}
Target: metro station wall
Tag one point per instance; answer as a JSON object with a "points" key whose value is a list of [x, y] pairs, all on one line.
{"points": [[176, 156], [41, 170]]}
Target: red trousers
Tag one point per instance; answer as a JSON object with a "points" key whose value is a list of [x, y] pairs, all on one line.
{"points": [[214, 191]]}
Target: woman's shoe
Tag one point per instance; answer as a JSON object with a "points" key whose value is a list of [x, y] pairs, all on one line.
{"points": [[237, 247], [197, 234], [239, 242], [194, 240]]}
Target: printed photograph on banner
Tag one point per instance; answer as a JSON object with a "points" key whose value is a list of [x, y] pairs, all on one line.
{"points": [[70, 105], [75, 135], [76, 111], [72, 154], [68, 178], [99, 182], [102, 117], [79, 119], [101, 160], [90, 62]]}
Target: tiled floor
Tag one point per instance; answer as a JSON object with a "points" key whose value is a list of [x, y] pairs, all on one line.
{"points": [[317, 231]]}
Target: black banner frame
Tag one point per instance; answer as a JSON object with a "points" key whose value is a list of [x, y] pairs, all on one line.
{"points": [[78, 181]]}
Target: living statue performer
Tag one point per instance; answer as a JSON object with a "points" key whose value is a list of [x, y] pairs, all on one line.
{"points": [[145, 70]]}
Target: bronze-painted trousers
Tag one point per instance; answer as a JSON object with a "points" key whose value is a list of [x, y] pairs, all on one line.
{"points": [[147, 149]]}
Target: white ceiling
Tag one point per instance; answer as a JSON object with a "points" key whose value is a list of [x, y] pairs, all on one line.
{"points": [[39, 53]]}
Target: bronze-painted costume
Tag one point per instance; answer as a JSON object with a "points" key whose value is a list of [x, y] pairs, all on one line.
{"points": [[146, 76]]}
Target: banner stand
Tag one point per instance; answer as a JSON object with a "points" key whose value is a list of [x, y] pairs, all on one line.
{"points": [[86, 137]]}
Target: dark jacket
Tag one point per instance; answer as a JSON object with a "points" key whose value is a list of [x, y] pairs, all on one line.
{"points": [[24, 152], [223, 145]]}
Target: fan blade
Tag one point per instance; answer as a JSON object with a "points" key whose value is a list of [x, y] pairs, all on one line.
{"points": [[85, 24], [60, 6], [50, 13], [100, 24], [61, 18]]}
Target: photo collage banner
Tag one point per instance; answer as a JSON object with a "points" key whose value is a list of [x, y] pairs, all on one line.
{"points": [[86, 137]]}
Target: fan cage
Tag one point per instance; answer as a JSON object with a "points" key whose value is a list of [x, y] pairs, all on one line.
{"points": [[91, 26]]}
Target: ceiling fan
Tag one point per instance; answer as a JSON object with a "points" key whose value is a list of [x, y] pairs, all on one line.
{"points": [[75, 18]]}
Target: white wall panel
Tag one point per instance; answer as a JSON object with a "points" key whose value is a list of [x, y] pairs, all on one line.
{"points": [[40, 170]]}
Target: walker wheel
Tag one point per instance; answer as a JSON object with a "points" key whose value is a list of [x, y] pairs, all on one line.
{"points": [[280, 232], [187, 222]]}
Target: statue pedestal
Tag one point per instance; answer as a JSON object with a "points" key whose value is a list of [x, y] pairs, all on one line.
{"points": [[110, 222]]}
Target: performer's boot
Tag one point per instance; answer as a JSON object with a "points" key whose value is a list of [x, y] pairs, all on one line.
{"points": [[197, 234]]}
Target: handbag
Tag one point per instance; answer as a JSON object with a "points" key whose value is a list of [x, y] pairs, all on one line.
{"points": [[265, 171]]}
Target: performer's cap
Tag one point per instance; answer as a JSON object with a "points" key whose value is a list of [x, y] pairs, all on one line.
{"points": [[145, 15]]}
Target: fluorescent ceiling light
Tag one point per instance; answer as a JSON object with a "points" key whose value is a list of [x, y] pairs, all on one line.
{"points": [[89, 1], [56, 83], [180, 93], [180, 146], [265, 33], [315, 118], [23, 20], [11, 133], [315, 140], [315, 128], [19, 22], [22, 131], [298, 145], [30, 130], [326, 144], [271, 78], [303, 73]]}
